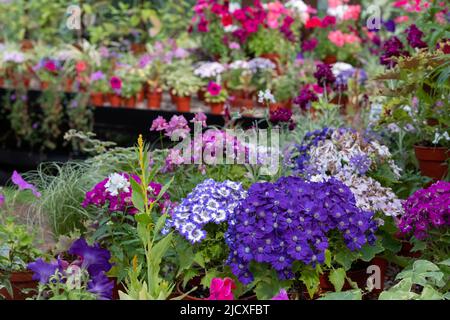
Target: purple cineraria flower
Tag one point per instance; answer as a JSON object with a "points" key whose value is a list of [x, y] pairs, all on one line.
{"points": [[101, 286], [427, 209], [361, 163], [390, 25], [159, 124], [209, 202], [43, 271], [23, 185], [93, 258], [290, 220]]}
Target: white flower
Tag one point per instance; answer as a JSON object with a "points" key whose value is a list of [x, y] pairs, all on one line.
{"points": [[299, 7], [230, 28], [233, 6], [239, 64], [260, 64], [266, 96], [209, 69], [338, 11], [116, 183], [340, 67], [438, 137]]}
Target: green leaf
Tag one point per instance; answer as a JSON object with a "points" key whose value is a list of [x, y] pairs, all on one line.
{"points": [[346, 257], [188, 275], [418, 245], [429, 293], [311, 280], [328, 258], [199, 259], [345, 295], [137, 197], [212, 273], [369, 252], [337, 278], [445, 262]]}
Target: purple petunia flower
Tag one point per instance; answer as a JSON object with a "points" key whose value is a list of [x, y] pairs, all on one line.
{"points": [[96, 76], [23, 185], [305, 98], [94, 258], [102, 286], [43, 271], [414, 37]]}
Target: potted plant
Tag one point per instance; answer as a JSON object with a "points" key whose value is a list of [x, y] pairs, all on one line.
{"points": [[238, 79], [306, 239], [216, 96], [182, 84], [284, 90], [417, 102], [17, 249], [114, 97], [99, 87]]}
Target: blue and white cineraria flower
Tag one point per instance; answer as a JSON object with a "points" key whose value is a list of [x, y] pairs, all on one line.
{"points": [[209, 202], [261, 64], [207, 70]]}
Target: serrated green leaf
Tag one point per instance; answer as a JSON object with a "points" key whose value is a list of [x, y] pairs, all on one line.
{"points": [[337, 278], [346, 257], [328, 258], [369, 252], [311, 280], [345, 295]]}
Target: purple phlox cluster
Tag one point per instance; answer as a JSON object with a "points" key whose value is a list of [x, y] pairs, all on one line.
{"points": [[13, 56], [115, 192], [311, 139], [392, 48], [165, 52], [426, 209], [290, 220], [309, 45], [209, 202], [414, 37], [96, 76], [24, 185], [305, 98], [324, 75], [93, 259]]}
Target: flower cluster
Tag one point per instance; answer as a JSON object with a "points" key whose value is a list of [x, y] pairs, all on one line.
{"points": [[115, 192], [209, 69], [344, 71], [414, 37], [324, 75], [290, 220], [427, 208], [209, 202], [221, 289], [282, 115], [305, 98], [392, 48], [348, 156], [90, 260]]}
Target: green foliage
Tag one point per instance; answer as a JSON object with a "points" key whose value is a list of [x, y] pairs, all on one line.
{"points": [[265, 41], [220, 98], [433, 280], [182, 81], [344, 295]]}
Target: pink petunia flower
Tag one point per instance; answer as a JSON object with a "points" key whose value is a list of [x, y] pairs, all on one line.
{"points": [[282, 295], [337, 38], [214, 88], [221, 289], [116, 83], [352, 12], [80, 66]]}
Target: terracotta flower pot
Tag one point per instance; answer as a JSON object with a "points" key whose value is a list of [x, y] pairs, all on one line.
{"points": [[19, 281], [217, 108], [26, 45], [115, 100], [280, 105], [183, 104], [97, 99], [129, 102], [138, 48], [432, 161], [201, 95], [359, 276], [154, 100], [68, 86], [330, 59], [243, 103], [2, 82], [140, 96], [45, 85]]}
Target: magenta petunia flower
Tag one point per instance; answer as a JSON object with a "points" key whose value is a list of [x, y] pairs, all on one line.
{"points": [[221, 289], [23, 185], [251, 26], [282, 295], [159, 124], [50, 65], [214, 88], [116, 83]]}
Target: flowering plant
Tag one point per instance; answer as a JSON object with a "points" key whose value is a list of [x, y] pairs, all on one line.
{"points": [[215, 93], [427, 215], [182, 81], [356, 161], [292, 225], [81, 277], [98, 82]]}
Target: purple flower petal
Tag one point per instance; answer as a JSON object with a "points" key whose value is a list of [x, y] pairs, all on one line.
{"points": [[42, 270], [23, 185], [94, 258], [102, 286], [282, 295]]}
